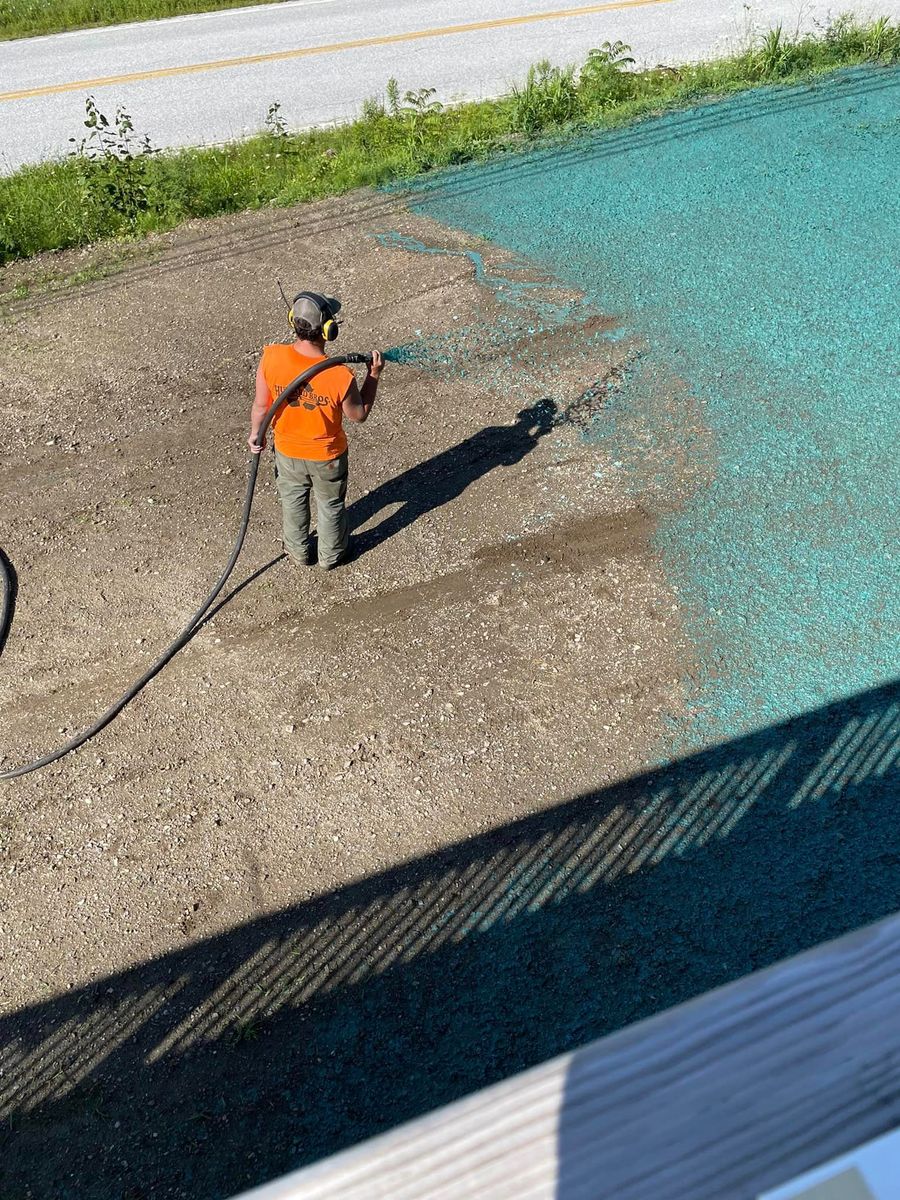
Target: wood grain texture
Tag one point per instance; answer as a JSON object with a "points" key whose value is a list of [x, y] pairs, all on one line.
{"points": [[737, 1091]]}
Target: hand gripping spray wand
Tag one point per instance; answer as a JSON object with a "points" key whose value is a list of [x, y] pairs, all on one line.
{"points": [[6, 575]]}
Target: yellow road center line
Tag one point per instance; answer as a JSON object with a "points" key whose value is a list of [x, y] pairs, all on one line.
{"points": [[304, 52]]}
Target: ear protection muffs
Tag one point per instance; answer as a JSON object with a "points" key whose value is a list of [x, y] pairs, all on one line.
{"points": [[330, 327]]}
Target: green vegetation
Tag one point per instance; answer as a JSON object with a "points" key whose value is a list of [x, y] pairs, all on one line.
{"points": [[115, 184], [26, 18]]}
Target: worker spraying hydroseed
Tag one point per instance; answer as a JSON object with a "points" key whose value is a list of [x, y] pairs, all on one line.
{"points": [[311, 457], [310, 443]]}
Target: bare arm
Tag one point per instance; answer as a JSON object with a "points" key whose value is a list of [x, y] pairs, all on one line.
{"points": [[261, 401], [358, 401]]}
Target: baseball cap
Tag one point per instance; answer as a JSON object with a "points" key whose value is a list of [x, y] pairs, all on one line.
{"points": [[314, 309]]}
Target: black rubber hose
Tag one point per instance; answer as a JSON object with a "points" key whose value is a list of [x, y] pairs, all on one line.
{"points": [[9, 586]]}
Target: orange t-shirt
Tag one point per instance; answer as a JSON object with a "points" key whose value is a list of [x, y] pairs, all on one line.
{"points": [[309, 426]]}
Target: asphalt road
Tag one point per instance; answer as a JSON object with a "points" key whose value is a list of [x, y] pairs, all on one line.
{"points": [[210, 77]]}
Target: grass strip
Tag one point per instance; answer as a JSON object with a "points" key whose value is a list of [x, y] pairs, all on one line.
{"points": [[29, 18], [115, 185]]}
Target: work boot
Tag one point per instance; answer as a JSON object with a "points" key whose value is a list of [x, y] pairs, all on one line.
{"points": [[343, 558], [304, 560]]}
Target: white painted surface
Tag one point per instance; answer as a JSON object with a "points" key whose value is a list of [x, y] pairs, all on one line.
{"points": [[877, 1163], [231, 102]]}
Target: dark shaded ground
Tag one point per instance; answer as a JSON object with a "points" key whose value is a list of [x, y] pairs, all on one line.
{"points": [[219, 1066]]}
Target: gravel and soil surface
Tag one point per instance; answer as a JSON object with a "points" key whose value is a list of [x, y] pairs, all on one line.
{"points": [[505, 643], [379, 837]]}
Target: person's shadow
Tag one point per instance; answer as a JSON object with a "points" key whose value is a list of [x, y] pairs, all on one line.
{"points": [[442, 478]]}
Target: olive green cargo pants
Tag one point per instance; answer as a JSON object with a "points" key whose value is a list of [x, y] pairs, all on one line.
{"points": [[295, 479]]}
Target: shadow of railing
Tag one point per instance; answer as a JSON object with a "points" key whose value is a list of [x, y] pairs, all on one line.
{"points": [[236, 1059]]}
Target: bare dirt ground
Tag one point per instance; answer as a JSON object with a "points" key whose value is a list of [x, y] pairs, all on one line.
{"points": [[504, 641], [512, 647], [381, 837]]}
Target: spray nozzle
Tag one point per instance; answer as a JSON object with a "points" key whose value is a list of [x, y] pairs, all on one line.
{"points": [[358, 358]]}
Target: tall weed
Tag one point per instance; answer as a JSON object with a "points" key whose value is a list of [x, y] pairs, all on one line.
{"points": [[603, 80], [773, 59], [111, 161], [881, 41], [548, 99]]}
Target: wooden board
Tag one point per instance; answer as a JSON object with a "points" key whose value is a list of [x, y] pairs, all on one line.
{"points": [[735, 1092]]}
